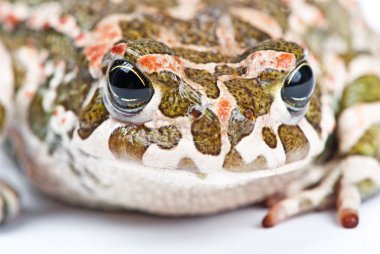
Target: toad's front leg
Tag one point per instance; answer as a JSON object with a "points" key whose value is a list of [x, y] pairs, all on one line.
{"points": [[357, 175], [349, 182], [9, 199], [9, 202]]}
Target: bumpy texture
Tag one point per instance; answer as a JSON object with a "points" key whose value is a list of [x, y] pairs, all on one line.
{"points": [[216, 123]]}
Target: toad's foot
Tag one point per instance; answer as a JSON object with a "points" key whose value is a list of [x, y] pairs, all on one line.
{"points": [[352, 180], [9, 202]]}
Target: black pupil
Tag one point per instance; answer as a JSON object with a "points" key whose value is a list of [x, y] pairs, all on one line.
{"points": [[128, 86], [299, 87]]}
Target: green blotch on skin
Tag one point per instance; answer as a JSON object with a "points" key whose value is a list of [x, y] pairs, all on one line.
{"points": [[369, 143], [238, 127], [142, 28], [269, 137], [233, 160], [87, 13], [201, 176], [348, 56], [305, 204], [162, 4], [246, 34], [188, 164], [72, 94], [251, 95], [166, 137], [131, 142], [295, 143], [60, 47], [92, 116], [271, 75], [235, 163], [339, 20], [206, 133], [314, 114], [277, 9], [338, 25], [2, 118], [205, 79], [365, 89], [90, 13], [69, 95], [38, 118], [177, 96], [201, 30], [148, 46], [201, 57], [227, 70], [19, 75], [366, 187]]}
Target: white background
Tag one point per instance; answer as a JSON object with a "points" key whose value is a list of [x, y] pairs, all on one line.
{"points": [[50, 227]]}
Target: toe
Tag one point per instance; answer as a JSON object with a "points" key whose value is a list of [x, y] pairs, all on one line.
{"points": [[349, 218]]}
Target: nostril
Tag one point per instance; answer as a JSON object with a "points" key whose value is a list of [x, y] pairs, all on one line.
{"points": [[195, 112]]}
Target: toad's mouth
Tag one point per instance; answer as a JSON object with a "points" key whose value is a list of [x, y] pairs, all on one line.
{"points": [[216, 177]]}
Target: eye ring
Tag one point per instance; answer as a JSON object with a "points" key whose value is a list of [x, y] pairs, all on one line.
{"points": [[298, 87], [128, 91]]}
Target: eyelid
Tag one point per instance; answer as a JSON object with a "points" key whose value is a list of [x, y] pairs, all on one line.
{"points": [[293, 72]]}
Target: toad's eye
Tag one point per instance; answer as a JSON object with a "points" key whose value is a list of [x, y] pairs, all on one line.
{"points": [[129, 91], [298, 87]]}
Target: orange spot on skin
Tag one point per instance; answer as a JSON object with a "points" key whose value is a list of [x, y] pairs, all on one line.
{"points": [[63, 20], [119, 49], [224, 109], [55, 113], [173, 65], [157, 63], [149, 62], [29, 94], [95, 53], [105, 36], [12, 20], [80, 37], [284, 60], [177, 60], [268, 20]]}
